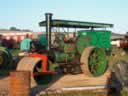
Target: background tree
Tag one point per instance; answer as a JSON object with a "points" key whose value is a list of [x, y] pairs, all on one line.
{"points": [[14, 29]]}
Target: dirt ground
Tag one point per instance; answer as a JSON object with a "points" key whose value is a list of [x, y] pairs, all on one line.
{"points": [[66, 81], [4, 86]]}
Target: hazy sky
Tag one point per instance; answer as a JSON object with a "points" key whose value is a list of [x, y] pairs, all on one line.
{"points": [[26, 14]]}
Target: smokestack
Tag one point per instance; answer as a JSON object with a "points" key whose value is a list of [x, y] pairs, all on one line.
{"points": [[48, 17]]}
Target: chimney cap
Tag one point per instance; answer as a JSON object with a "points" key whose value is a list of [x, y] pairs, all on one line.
{"points": [[48, 14]]}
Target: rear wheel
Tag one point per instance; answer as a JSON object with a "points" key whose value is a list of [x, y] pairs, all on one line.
{"points": [[94, 61]]}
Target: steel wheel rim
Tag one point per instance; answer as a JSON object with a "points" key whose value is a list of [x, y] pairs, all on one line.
{"points": [[97, 62]]}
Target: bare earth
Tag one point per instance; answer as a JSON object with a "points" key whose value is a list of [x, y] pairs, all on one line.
{"points": [[4, 86], [65, 81]]}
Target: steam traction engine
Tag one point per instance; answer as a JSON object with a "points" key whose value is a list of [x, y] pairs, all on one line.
{"points": [[84, 52]]}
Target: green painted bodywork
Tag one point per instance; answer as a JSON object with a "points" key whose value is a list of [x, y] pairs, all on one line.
{"points": [[64, 57], [42, 39], [69, 48], [97, 62], [93, 38], [76, 24]]}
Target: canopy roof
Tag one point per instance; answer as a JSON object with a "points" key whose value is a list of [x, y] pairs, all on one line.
{"points": [[76, 24]]}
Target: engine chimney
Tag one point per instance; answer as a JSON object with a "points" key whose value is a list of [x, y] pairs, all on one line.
{"points": [[48, 18]]}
